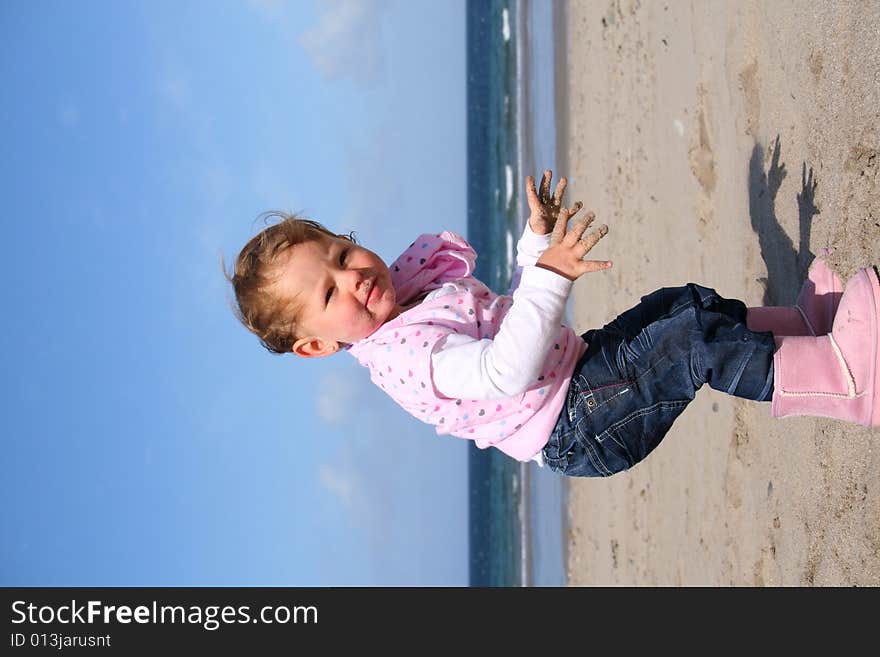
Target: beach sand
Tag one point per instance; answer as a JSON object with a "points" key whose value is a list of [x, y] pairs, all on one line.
{"points": [[725, 143]]}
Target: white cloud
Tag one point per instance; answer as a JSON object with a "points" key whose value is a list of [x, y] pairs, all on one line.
{"points": [[365, 499], [379, 477], [368, 501], [346, 43], [336, 394], [338, 484]]}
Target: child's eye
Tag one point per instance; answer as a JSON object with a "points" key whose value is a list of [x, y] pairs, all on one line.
{"points": [[342, 256]]}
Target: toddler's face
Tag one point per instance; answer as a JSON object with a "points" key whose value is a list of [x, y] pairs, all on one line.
{"points": [[344, 292]]}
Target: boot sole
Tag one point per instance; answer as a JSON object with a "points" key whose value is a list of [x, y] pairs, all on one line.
{"points": [[875, 288]]}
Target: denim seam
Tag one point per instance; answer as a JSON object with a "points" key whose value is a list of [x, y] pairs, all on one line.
{"points": [[610, 385], [742, 368], [625, 449], [642, 411], [577, 383], [652, 368], [554, 464], [579, 397], [614, 396], [590, 391], [572, 394], [598, 463], [561, 438], [594, 457], [768, 383]]}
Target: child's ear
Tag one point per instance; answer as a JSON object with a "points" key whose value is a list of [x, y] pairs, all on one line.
{"points": [[314, 347]]}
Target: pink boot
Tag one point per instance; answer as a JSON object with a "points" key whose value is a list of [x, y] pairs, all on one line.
{"points": [[814, 311], [835, 375]]}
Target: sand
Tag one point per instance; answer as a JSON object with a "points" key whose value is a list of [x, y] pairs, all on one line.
{"points": [[725, 143]]}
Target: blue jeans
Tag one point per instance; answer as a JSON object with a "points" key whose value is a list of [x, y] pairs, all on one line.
{"points": [[641, 371]]}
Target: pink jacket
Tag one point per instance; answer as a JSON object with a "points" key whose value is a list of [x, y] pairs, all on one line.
{"points": [[398, 354]]}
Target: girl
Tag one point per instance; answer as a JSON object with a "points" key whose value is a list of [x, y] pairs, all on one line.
{"points": [[504, 372]]}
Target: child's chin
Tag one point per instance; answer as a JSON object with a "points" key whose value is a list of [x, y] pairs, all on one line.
{"points": [[368, 332]]}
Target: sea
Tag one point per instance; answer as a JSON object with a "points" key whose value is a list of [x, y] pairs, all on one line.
{"points": [[517, 511]]}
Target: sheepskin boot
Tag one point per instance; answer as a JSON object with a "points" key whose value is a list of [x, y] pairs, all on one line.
{"points": [[814, 311], [835, 375]]}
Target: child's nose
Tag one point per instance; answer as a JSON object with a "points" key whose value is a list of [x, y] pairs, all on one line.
{"points": [[357, 278]]}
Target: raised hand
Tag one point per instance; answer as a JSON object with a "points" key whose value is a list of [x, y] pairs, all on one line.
{"points": [[567, 249], [544, 207]]}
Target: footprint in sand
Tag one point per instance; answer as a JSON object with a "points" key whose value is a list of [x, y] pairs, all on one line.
{"points": [[702, 162], [748, 79], [700, 153]]}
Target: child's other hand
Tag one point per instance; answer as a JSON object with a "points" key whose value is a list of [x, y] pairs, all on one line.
{"points": [[568, 248], [545, 208]]}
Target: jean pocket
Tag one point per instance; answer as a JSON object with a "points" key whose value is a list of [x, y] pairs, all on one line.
{"points": [[629, 440], [609, 452]]}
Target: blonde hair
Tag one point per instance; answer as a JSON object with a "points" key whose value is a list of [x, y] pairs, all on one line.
{"points": [[272, 319]]}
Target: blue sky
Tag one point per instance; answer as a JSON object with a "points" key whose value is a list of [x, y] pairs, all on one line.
{"points": [[149, 439]]}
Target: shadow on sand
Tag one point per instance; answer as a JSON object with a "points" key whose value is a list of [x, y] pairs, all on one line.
{"points": [[786, 263]]}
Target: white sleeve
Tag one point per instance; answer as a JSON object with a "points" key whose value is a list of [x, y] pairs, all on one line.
{"points": [[506, 366], [528, 250]]}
